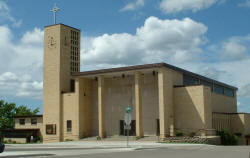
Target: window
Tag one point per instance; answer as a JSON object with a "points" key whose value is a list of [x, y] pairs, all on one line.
{"points": [[229, 92], [206, 83], [72, 85], [33, 121], [51, 129], [69, 125], [218, 89], [188, 80], [22, 121]]}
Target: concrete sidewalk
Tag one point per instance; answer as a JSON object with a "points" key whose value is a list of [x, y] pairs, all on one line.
{"points": [[83, 147], [100, 144]]}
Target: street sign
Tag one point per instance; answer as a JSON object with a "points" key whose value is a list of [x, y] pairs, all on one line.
{"points": [[128, 127], [127, 118], [128, 109]]}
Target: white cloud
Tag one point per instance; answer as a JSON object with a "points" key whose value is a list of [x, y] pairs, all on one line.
{"points": [[245, 4], [33, 37], [175, 6], [13, 85], [5, 15], [21, 63], [232, 50], [173, 41], [133, 5]]}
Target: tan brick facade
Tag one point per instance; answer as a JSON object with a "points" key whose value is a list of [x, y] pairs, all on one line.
{"points": [[27, 123], [160, 99]]}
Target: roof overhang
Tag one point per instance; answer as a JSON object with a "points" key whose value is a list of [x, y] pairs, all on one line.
{"points": [[145, 68]]}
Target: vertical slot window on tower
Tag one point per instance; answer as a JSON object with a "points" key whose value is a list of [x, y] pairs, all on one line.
{"points": [[74, 50]]}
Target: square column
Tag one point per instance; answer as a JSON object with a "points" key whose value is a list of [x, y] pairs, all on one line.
{"points": [[166, 112], [101, 107], [138, 105]]}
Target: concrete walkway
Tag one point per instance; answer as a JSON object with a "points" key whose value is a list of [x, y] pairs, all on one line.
{"points": [[82, 147], [100, 144]]}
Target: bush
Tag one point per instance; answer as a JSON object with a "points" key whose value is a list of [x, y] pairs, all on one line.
{"points": [[40, 138], [228, 138], [178, 133]]}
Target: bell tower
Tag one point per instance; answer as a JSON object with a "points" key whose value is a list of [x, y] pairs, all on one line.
{"points": [[61, 58]]}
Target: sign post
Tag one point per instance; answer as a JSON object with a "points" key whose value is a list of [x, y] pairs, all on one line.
{"points": [[127, 119]]}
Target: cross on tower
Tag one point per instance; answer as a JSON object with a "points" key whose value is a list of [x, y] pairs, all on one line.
{"points": [[54, 10]]}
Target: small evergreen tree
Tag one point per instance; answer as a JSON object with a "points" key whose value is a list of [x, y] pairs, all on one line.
{"points": [[227, 138]]}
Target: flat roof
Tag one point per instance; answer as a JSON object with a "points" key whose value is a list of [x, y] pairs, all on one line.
{"points": [[27, 116], [63, 25], [150, 66]]}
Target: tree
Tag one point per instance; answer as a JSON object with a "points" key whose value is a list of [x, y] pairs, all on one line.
{"points": [[23, 110], [9, 110]]}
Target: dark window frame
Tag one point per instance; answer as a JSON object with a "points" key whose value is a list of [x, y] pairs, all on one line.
{"points": [[229, 92], [206, 83], [69, 125], [189, 80], [218, 89], [51, 129], [72, 85], [33, 121], [22, 121]]}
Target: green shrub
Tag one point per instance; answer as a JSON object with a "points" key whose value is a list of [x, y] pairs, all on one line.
{"points": [[40, 138], [228, 138], [178, 133]]}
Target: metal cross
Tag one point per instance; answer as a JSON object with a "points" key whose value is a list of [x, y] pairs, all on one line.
{"points": [[54, 10]]}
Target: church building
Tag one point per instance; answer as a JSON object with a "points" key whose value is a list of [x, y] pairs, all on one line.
{"points": [[164, 98]]}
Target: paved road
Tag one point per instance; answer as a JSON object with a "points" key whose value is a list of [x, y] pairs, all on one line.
{"points": [[175, 152], [115, 150]]}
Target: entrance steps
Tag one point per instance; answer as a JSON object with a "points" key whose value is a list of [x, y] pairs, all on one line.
{"points": [[215, 140], [194, 140], [122, 138]]}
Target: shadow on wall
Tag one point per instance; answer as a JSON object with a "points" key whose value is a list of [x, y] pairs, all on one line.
{"points": [[189, 109], [238, 127]]}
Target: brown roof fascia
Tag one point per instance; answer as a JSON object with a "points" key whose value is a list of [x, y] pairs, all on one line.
{"points": [[27, 116], [148, 66], [127, 68]]}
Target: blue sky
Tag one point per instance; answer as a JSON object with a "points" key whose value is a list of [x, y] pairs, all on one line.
{"points": [[209, 37]]}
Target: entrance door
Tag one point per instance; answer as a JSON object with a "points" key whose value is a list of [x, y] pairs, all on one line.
{"points": [[132, 132], [122, 127]]}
